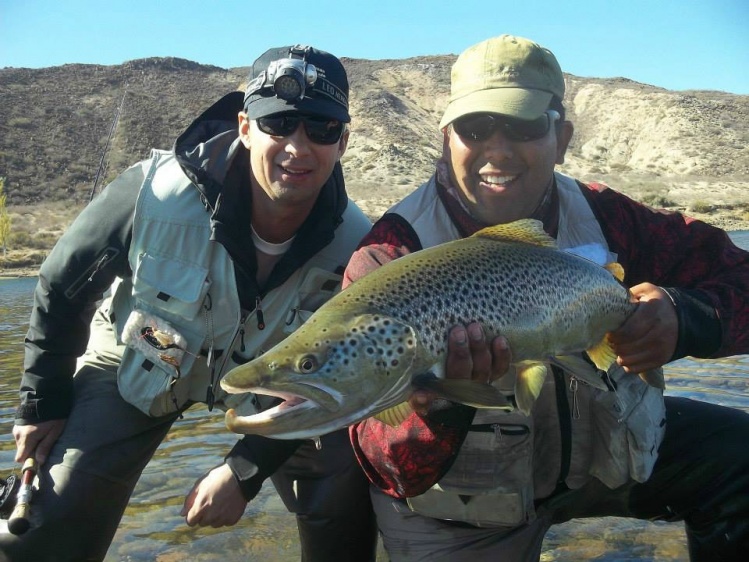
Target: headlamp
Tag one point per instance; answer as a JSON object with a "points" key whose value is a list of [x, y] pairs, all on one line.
{"points": [[288, 78]]}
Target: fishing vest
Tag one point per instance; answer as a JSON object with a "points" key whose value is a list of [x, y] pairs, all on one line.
{"points": [[507, 459], [183, 289]]}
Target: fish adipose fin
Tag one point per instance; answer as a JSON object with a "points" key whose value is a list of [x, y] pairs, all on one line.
{"points": [[529, 231], [615, 269], [528, 383]]}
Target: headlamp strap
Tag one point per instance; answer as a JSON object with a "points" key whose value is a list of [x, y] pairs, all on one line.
{"points": [[322, 85]]}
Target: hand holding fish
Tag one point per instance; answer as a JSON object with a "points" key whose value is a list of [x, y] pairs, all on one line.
{"points": [[648, 338], [471, 357]]}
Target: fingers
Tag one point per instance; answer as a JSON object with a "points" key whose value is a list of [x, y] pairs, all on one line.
{"points": [[215, 500], [44, 446], [470, 357], [37, 439], [648, 338]]}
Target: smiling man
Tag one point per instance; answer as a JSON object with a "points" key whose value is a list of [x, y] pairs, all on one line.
{"points": [[457, 485], [213, 252]]}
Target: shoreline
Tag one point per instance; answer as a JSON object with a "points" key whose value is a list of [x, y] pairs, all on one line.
{"points": [[728, 224]]}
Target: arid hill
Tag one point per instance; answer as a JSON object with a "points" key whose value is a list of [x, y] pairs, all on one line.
{"points": [[681, 150]]}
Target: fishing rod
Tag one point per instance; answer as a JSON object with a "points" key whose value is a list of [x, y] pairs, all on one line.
{"points": [[19, 520], [106, 146]]}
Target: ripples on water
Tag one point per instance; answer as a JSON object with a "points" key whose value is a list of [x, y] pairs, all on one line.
{"points": [[152, 529]]}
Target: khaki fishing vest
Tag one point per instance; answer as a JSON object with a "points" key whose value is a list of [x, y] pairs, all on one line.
{"points": [[186, 282], [507, 459]]}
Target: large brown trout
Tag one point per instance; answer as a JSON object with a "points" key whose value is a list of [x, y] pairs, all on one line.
{"points": [[361, 353]]}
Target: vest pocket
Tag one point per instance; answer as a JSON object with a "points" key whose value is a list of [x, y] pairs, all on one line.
{"points": [[627, 429], [175, 287], [491, 481]]}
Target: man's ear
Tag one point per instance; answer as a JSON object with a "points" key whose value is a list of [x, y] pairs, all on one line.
{"points": [[244, 128], [564, 136]]}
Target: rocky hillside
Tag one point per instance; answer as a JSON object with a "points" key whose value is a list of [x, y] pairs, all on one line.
{"points": [[676, 149]]}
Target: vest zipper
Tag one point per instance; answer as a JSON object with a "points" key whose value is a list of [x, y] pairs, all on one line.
{"points": [[211, 392], [565, 425]]}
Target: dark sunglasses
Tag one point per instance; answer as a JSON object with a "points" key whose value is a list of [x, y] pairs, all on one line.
{"points": [[480, 126], [320, 130]]}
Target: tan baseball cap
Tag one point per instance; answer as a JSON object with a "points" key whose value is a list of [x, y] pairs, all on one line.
{"points": [[508, 75]]}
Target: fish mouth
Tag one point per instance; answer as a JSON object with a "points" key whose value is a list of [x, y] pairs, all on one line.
{"points": [[294, 395]]}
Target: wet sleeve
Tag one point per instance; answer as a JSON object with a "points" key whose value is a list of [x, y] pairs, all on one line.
{"points": [[255, 458], [73, 278]]}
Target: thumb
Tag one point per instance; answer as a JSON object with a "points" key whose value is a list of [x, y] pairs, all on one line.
{"points": [[189, 500]]}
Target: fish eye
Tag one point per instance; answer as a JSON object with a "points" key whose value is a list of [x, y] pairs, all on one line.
{"points": [[307, 364]]}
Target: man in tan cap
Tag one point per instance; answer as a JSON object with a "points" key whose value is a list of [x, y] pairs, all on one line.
{"points": [[452, 483]]}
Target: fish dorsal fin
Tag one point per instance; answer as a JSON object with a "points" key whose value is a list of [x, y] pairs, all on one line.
{"points": [[615, 269], [529, 231]]}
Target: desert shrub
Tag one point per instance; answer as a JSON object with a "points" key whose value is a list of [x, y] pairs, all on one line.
{"points": [[701, 206], [657, 200]]}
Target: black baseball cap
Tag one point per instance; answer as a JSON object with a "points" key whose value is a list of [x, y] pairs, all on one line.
{"points": [[328, 96]]}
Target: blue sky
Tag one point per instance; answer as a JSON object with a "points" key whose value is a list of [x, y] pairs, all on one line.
{"points": [[675, 44]]}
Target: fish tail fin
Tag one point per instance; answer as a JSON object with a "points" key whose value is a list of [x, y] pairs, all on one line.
{"points": [[602, 354], [528, 383]]}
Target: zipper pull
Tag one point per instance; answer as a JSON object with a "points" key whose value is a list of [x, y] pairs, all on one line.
{"points": [[103, 260], [497, 432], [259, 312], [575, 403]]}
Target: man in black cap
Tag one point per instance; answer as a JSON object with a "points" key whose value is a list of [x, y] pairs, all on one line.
{"points": [[213, 251]]}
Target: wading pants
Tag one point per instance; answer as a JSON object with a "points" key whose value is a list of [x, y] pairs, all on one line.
{"points": [[701, 478], [87, 481]]}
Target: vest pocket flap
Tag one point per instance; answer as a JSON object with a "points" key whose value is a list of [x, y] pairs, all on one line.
{"points": [[174, 286]]}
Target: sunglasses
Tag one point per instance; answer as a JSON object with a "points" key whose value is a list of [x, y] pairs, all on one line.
{"points": [[320, 130], [478, 127]]}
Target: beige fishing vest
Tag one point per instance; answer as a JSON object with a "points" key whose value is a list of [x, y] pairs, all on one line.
{"points": [[186, 282], [507, 459]]}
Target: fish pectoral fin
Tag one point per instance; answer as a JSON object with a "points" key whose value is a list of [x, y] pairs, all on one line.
{"points": [[396, 415], [602, 354], [530, 231], [470, 393], [528, 383], [580, 369], [654, 377]]}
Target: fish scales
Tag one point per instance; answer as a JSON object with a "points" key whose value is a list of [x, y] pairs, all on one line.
{"points": [[358, 355]]}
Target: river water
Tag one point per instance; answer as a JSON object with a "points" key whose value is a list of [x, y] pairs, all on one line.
{"points": [[152, 529]]}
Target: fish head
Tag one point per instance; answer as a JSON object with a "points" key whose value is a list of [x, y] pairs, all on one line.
{"points": [[333, 371]]}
